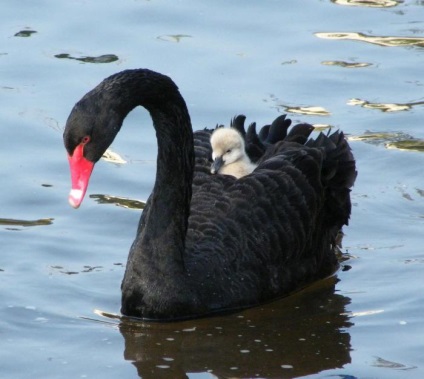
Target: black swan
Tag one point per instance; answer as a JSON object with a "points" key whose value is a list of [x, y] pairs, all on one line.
{"points": [[212, 243], [229, 153]]}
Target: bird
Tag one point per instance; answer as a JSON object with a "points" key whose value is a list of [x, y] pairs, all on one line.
{"points": [[210, 244], [228, 153]]}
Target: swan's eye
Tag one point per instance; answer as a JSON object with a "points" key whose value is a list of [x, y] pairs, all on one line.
{"points": [[228, 151], [85, 140]]}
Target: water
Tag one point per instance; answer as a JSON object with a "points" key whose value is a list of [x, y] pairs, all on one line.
{"points": [[323, 62]]}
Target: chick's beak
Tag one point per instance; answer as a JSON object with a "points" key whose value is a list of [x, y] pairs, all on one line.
{"points": [[216, 165]]}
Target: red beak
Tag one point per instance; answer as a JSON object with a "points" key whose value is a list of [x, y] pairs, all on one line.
{"points": [[81, 169]]}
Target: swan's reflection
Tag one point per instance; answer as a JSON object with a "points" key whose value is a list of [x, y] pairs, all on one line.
{"points": [[299, 335]]}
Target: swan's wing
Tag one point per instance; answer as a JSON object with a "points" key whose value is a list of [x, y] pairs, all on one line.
{"points": [[295, 139], [254, 146], [249, 235], [299, 133], [257, 143], [260, 213], [278, 129], [275, 229], [238, 123]]}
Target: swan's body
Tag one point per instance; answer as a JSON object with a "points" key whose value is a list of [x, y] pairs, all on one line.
{"points": [[210, 243], [228, 153]]}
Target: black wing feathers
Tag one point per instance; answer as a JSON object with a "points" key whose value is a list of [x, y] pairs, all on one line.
{"points": [[278, 225]]}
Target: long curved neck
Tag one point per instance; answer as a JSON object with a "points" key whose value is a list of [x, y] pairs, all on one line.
{"points": [[163, 225], [166, 220], [161, 234]]}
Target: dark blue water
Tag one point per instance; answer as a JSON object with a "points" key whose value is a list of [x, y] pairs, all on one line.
{"points": [[348, 64]]}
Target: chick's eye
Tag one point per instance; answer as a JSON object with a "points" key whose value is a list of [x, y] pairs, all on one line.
{"points": [[228, 151], [85, 140]]}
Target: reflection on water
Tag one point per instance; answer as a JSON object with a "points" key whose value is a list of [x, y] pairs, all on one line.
{"points": [[85, 269], [346, 64], [111, 156], [299, 335], [118, 201], [380, 362], [314, 110], [379, 40], [292, 61], [106, 58], [25, 33], [173, 38], [25, 223], [321, 127], [410, 144], [366, 313], [385, 107], [399, 141], [369, 3]]}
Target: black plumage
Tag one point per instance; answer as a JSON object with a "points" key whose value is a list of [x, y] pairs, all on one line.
{"points": [[211, 243]]}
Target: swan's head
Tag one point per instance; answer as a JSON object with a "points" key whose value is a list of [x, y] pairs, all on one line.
{"points": [[227, 147], [97, 118], [88, 133]]}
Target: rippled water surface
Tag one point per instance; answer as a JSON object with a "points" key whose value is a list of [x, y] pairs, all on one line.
{"points": [[354, 65]]}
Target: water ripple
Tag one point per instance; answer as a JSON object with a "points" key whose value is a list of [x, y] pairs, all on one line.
{"points": [[173, 37], [106, 58], [312, 110], [368, 3], [391, 140], [118, 201], [25, 33], [386, 41], [346, 64], [385, 107], [25, 223]]}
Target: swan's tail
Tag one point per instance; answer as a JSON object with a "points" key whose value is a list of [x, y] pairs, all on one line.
{"points": [[338, 176]]}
